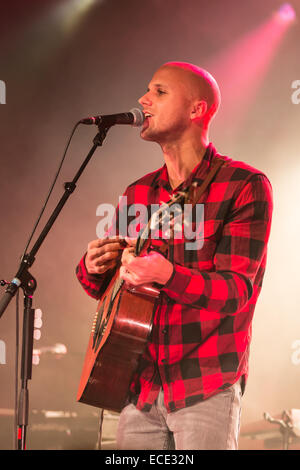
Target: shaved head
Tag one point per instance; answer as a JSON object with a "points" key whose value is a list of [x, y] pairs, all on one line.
{"points": [[179, 104], [199, 84]]}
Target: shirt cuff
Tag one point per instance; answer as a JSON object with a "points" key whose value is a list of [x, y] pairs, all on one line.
{"points": [[178, 283], [90, 277]]}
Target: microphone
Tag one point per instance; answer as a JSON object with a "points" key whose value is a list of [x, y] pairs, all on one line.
{"points": [[135, 117]]}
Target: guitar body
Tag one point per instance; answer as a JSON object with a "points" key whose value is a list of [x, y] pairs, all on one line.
{"points": [[121, 328]]}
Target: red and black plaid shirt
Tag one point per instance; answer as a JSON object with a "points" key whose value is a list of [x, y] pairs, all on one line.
{"points": [[202, 325]]}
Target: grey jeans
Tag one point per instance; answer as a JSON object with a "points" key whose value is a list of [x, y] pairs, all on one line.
{"points": [[212, 424]]}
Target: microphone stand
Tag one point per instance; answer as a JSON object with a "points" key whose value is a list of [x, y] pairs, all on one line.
{"points": [[286, 427], [27, 282]]}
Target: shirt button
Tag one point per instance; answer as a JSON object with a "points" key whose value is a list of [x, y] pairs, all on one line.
{"points": [[164, 331]]}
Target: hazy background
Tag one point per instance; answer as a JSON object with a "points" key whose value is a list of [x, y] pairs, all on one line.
{"points": [[64, 60]]}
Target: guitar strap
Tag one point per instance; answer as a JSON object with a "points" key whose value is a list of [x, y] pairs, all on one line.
{"points": [[192, 196], [196, 192]]}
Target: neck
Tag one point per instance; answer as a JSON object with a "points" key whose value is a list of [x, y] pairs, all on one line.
{"points": [[182, 157]]}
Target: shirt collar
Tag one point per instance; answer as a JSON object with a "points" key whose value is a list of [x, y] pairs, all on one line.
{"points": [[197, 175]]}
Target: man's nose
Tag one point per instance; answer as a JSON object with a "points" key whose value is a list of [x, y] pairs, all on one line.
{"points": [[145, 99]]}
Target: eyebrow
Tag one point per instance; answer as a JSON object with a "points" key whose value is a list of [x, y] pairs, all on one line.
{"points": [[158, 85]]}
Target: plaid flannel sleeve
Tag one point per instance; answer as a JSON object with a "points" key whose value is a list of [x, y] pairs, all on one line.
{"points": [[240, 253], [95, 284]]}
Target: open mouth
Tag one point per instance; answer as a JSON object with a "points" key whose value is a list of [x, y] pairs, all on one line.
{"points": [[148, 116]]}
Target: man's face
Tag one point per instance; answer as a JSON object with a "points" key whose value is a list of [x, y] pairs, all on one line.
{"points": [[167, 107]]}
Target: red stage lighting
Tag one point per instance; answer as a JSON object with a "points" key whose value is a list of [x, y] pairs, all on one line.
{"points": [[242, 68]]}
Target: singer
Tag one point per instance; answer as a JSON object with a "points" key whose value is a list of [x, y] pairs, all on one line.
{"points": [[187, 391]]}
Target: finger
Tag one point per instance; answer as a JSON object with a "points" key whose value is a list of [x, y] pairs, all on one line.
{"points": [[104, 267], [93, 263], [106, 257], [111, 247], [129, 276], [127, 257], [131, 241], [99, 242]]}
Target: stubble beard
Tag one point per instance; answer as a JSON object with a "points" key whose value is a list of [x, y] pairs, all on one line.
{"points": [[162, 137]]}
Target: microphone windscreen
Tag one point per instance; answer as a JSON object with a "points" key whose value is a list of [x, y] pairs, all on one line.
{"points": [[138, 117]]}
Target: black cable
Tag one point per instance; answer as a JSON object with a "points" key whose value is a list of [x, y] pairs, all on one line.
{"points": [[17, 294], [50, 190]]}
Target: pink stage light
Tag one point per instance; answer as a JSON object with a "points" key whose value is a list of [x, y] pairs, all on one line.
{"points": [[241, 69], [286, 13]]}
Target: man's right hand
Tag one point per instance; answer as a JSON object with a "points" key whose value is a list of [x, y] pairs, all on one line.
{"points": [[103, 254]]}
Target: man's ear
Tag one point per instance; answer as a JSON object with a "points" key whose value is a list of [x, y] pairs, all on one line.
{"points": [[199, 110]]}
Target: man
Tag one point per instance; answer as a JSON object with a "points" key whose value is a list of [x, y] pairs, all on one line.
{"points": [[187, 391]]}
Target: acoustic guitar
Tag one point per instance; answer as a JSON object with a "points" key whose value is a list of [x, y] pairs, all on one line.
{"points": [[120, 330]]}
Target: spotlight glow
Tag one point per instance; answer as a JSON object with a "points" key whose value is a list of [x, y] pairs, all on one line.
{"points": [[243, 67], [72, 11], [286, 13]]}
